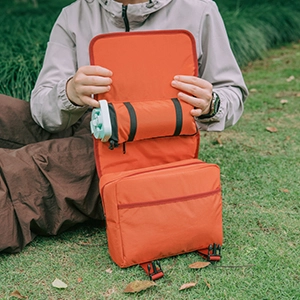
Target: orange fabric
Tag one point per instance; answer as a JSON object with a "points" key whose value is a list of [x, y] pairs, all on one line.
{"points": [[154, 119], [162, 211], [144, 63], [143, 66], [144, 153]]}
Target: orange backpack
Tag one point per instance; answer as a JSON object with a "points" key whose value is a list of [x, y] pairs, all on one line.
{"points": [[159, 199]]}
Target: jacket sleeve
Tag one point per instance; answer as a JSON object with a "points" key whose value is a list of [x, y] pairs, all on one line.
{"points": [[218, 66], [50, 106]]}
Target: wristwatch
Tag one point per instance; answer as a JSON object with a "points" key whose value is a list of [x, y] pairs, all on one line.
{"points": [[214, 107]]}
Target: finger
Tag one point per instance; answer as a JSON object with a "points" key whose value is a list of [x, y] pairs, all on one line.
{"points": [[96, 81], [88, 100], [194, 101], [188, 88], [89, 90], [193, 85], [194, 80], [196, 112], [193, 90], [95, 70]]}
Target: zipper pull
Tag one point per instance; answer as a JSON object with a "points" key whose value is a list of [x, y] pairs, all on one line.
{"points": [[112, 144], [124, 17]]}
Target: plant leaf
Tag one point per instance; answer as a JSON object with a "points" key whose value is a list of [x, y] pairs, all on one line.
{"points": [[253, 91], [187, 286], [219, 141], [291, 78], [207, 284], [199, 265], [137, 286], [272, 129], [57, 283], [17, 294], [109, 292]]}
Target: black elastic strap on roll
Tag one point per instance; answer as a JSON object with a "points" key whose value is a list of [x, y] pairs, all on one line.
{"points": [[178, 111], [133, 121], [114, 139]]}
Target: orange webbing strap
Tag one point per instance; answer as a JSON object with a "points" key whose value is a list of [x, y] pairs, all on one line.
{"points": [[153, 270]]}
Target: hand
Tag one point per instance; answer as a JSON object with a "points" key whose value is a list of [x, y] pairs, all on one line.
{"points": [[195, 91], [88, 80]]}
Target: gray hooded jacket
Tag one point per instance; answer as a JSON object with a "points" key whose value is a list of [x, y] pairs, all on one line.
{"points": [[79, 22]]}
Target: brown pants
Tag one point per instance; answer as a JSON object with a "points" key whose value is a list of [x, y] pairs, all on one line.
{"points": [[48, 182]]}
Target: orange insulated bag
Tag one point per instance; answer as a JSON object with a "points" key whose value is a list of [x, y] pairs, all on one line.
{"points": [[159, 199], [162, 211]]}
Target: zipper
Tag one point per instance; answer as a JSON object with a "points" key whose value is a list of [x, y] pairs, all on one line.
{"points": [[125, 18], [167, 201]]}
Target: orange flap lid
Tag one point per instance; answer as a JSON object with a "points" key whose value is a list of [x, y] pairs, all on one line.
{"points": [[144, 63]]}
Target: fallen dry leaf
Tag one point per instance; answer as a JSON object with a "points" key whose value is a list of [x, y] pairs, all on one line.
{"points": [[137, 286], [283, 101], [79, 279], [109, 270], [272, 129], [253, 91], [17, 294], [207, 284], [219, 141], [57, 283], [291, 78], [285, 190], [84, 243], [109, 292], [199, 265], [187, 286]]}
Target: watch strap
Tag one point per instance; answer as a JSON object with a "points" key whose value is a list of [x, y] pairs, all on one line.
{"points": [[214, 107]]}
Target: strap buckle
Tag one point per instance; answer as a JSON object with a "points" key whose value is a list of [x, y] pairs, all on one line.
{"points": [[213, 253], [153, 269]]}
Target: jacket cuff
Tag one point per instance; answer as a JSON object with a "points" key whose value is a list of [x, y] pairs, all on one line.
{"points": [[62, 96]]}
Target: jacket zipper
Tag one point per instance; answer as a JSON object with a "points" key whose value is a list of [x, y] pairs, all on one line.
{"points": [[167, 201], [125, 18]]}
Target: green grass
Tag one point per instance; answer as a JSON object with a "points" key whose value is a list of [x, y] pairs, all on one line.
{"points": [[24, 34], [260, 181], [253, 27]]}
